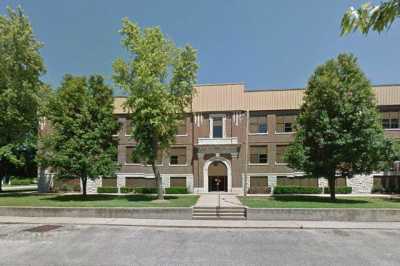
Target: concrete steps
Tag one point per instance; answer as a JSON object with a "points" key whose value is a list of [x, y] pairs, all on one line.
{"points": [[219, 213]]}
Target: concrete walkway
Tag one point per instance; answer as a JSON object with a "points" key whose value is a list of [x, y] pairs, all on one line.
{"points": [[201, 223], [218, 200]]}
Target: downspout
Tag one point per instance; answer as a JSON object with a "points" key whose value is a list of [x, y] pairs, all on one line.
{"points": [[246, 154]]}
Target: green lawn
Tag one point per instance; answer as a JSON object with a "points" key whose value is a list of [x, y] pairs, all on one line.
{"points": [[319, 202], [59, 200]]}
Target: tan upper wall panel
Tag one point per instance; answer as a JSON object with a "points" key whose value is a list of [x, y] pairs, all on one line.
{"points": [[233, 97]]}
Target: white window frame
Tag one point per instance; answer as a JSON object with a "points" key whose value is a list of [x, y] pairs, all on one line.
{"points": [[211, 120]]}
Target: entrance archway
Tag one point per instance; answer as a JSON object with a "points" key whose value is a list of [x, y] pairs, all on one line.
{"points": [[217, 175]]}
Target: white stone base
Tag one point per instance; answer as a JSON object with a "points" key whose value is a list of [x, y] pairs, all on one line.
{"points": [[361, 183]]}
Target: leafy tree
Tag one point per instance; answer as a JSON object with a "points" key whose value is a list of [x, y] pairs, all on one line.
{"points": [[367, 17], [80, 142], [159, 82], [20, 68], [338, 128]]}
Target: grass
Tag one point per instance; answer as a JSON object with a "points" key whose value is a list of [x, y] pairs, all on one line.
{"points": [[99, 200], [319, 202]]}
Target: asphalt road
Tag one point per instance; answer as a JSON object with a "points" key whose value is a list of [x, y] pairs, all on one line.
{"points": [[127, 245]]}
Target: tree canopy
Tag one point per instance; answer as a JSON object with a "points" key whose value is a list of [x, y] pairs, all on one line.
{"points": [[366, 17], [20, 69], [338, 128], [80, 142], [159, 82]]}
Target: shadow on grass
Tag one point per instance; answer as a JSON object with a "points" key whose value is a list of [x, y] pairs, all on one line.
{"points": [[317, 199], [395, 200], [103, 197]]}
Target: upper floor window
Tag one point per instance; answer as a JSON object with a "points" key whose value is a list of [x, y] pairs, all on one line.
{"points": [[181, 128], [116, 133], [259, 154], [217, 126], [280, 152], [131, 157], [177, 156], [390, 120], [258, 124], [285, 123], [128, 127]]}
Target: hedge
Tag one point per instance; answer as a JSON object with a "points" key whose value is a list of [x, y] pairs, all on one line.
{"points": [[127, 190], [339, 190], [297, 190], [21, 182], [107, 190], [176, 190], [146, 190], [380, 189]]}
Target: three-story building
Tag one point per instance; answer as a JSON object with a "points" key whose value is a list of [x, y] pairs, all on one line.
{"points": [[234, 140]]}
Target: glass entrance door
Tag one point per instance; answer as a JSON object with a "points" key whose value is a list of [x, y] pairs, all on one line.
{"points": [[217, 183]]}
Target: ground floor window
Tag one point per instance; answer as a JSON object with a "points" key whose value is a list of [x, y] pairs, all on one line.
{"points": [[258, 184], [386, 184], [177, 181], [109, 182], [297, 181], [134, 182]]}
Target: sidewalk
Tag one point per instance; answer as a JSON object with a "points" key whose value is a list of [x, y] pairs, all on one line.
{"points": [[201, 223], [216, 200]]}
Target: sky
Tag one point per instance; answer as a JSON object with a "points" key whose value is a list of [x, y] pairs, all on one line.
{"points": [[264, 44]]}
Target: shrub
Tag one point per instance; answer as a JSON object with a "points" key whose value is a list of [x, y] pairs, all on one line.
{"points": [[146, 190], [176, 190], [127, 190], [259, 190], [297, 190], [339, 190], [21, 181], [107, 190], [380, 189]]}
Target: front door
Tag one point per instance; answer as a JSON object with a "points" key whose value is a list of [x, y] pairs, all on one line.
{"points": [[217, 183]]}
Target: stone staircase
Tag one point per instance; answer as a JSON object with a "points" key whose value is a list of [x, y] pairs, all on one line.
{"points": [[219, 213]]}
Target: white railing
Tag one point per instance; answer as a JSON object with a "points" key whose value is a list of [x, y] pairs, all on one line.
{"points": [[217, 141]]}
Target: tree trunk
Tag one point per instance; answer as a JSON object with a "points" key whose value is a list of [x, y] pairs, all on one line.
{"points": [[332, 183], [158, 181], [2, 174], [84, 183]]}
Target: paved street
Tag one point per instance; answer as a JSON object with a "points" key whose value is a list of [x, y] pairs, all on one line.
{"points": [[128, 245]]}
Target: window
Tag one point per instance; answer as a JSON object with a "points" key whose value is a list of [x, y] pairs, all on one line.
{"points": [[159, 157], [259, 154], [182, 128], [284, 123], [177, 156], [128, 127], [116, 132], [177, 181], [130, 156], [280, 151], [390, 120], [217, 129], [258, 124]]}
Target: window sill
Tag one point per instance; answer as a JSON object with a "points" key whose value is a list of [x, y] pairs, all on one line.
{"points": [[391, 129], [258, 134], [177, 165], [255, 164], [280, 163], [285, 133], [134, 164], [184, 135]]}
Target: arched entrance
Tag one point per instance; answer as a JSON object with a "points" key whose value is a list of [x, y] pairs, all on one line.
{"points": [[217, 175]]}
